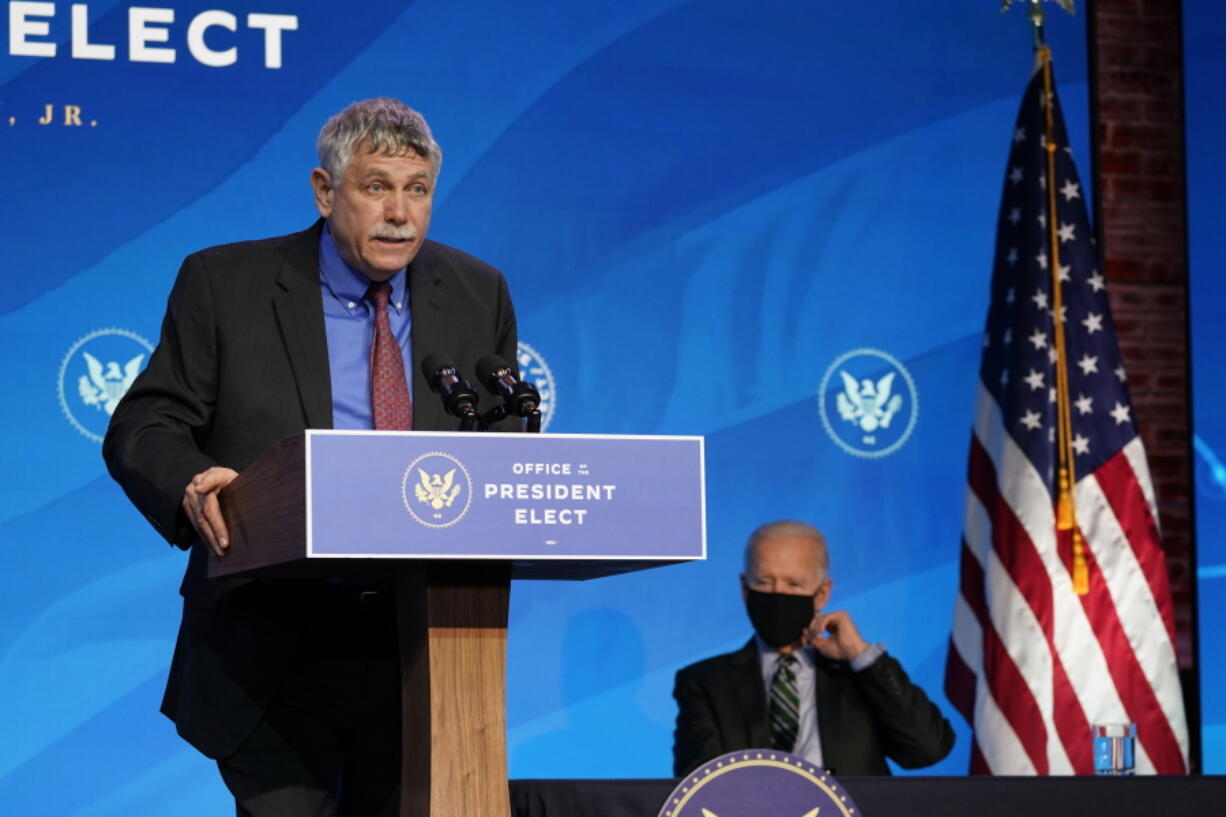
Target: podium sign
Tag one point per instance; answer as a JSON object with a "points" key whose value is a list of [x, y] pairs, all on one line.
{"points": [[504, 496], [561, 506]]}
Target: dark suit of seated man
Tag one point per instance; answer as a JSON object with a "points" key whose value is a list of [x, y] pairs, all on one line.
{"points": [[807, 682]]}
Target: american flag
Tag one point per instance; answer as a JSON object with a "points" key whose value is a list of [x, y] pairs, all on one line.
{"points": [[1064, 617]]}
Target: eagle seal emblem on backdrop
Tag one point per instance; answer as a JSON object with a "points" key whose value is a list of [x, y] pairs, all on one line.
{"points": [[868, 403], [754, 782], [437, 489], [96, 373]]}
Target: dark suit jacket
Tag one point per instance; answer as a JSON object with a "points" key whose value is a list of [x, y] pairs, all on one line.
{"points": [[242, 362], [862, 717]]}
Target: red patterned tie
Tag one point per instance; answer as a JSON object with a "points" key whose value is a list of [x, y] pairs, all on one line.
{"points": [[390, 406]]}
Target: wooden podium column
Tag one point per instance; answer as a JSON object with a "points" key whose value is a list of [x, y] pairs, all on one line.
{"points": [[452, 619]]}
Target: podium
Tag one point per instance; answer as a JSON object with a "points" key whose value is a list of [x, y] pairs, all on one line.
{"points": [[445, 521]]}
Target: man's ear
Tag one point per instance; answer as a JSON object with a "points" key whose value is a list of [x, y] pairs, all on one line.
{"points": [[823, 593], [321, 183]]}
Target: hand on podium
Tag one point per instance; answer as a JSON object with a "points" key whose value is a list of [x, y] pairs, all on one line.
{"points": [[202, 508]]}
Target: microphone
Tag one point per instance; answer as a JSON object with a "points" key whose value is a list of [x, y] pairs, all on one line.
{"points": [[522, 399], [459, 397]]}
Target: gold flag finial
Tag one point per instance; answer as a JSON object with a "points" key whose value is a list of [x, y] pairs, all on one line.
{"points": [[1037, 16], [1068, 5]]}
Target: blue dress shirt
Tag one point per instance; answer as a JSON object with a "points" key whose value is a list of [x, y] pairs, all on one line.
{"points": [[349, 322]]}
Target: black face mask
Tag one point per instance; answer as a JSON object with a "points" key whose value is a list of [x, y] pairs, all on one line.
{"points": [[779, 618]]}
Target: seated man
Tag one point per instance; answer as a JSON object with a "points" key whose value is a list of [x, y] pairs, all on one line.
{"points": [[806, 683]]}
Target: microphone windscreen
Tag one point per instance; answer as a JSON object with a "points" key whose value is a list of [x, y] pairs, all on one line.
{"points": [[431, 363], [488, 365]]}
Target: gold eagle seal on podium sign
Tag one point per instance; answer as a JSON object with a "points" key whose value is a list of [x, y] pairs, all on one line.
{"points": [[441, 491]]}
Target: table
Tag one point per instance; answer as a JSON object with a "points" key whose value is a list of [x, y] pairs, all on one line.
{"points": [[913, 797]]}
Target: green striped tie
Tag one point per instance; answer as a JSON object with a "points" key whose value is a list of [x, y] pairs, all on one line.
{"points": [[784, 705]]}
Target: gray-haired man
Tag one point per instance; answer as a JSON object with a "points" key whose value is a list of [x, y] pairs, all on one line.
{"points": [[807, 682], [294, 686]]}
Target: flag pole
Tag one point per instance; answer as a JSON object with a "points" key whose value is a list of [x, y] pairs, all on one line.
{"points": [[1066, 507], [1066, 473]]}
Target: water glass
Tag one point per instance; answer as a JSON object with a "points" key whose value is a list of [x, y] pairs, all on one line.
{"points": [[1114, 748]]}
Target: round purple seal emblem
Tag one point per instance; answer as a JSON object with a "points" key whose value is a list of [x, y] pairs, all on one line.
{"points": [[758, 781]]}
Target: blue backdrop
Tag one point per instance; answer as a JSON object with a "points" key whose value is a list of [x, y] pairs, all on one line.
{"points": [[717, 201], [1205, 114]]}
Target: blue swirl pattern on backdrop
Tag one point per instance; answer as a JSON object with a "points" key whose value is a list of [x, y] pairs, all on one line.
{"points": [[712, 201], [1205, 117]]}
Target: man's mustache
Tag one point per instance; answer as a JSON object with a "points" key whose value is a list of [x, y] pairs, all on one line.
{"points": [[405, 232]]}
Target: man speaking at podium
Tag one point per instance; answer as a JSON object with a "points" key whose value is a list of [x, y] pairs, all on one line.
{"points": [[294, 687], [807, 682]]}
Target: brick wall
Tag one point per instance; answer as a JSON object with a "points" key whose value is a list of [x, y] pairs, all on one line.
{"points": [[1137, 66]]}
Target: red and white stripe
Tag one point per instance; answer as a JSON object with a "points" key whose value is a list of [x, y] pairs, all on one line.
{"points": [[1031, 664]]}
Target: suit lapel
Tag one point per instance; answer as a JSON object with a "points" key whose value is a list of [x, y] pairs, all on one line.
{"points": [[829, 733], [300, 317], [751, 694], [429, 333]]}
